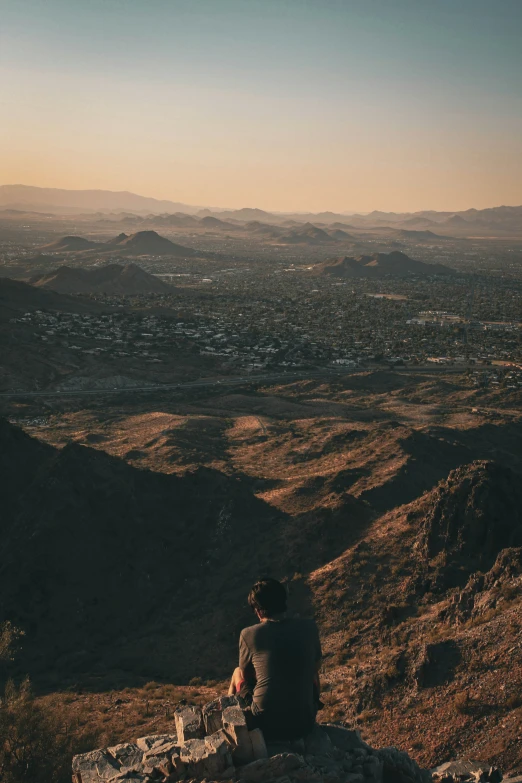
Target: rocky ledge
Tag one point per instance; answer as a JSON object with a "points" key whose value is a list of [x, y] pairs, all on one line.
{"points": [[214, 744]]}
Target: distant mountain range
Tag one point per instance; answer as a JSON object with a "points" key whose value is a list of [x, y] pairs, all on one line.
{"points": [[379, 265], [111, 279], [59, 200], [26, 198], [139, 244]]}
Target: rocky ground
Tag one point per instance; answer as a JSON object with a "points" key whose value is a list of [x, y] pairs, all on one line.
{"points": [[214, 743]]}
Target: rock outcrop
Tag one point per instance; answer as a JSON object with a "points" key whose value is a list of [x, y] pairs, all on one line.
{"points": [[214, 744]]}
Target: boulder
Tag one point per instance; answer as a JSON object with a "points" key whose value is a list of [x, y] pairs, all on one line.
{"points": [[152, 740], [128, 755], [189, 723], [96, 766], [213, 712], [160, 757], [234, 724], [206, 758]]}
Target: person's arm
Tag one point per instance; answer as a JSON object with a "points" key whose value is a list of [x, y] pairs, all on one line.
{"points": [[245, 670]]}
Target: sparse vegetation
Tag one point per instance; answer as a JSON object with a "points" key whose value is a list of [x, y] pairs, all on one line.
{"points": [[34, 743]]}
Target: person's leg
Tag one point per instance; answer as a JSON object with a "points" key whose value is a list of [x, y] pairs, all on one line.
{"points": [[237, 679]]}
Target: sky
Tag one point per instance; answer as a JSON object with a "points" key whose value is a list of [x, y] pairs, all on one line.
{"points": [[289, 105]]}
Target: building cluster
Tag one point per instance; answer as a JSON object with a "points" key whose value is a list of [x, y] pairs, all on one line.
{"points": [[250, 321]]}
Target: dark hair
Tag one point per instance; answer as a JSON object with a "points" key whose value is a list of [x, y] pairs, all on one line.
{"points": [[268, 597]]}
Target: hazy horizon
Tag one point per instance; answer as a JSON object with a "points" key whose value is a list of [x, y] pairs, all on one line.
{"points": [[285, 106], [229, 208]]}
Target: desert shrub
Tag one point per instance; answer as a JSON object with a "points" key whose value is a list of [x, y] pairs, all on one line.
{"points": [[33, 744], [196, 681], [462, 702]]}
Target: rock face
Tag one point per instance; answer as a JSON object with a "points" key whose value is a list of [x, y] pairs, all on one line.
{"points": [[475, 514], [221, 748]]}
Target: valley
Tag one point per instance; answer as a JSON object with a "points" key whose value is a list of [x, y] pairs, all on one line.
{"points": [[197, 402]]}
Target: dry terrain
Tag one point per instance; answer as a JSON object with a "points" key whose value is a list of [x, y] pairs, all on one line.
{"points": [[389, 502]]}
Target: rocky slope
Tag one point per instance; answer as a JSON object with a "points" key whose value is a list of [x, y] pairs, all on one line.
{"points": [[402, 537]]}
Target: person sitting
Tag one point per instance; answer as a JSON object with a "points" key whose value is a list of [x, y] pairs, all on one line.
{"points": [[278, 672]]}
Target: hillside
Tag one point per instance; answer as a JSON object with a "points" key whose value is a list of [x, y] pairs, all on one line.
{"points": [[140, 243], [71, 243], [111, 279], [396, 524], [55, 199], [306, 234], [378, 265], [87, 515], [17, 297], [405, 546], [151, 243]]}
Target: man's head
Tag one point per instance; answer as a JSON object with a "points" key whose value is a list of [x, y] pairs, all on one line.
{"points": [[267, 598]]}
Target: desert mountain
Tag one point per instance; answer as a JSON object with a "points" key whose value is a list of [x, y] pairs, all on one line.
{"points": [[340, 235], [265, 229], [150, 243], [341, 225], [71, 243], [138, 244], [379, 264], [59, 199], [245, 214], [117, 240], [221, 225], [113, 279], [455, 220], [418, 235], [17, 297], [418, 222], [178, 220], [306, 234]]}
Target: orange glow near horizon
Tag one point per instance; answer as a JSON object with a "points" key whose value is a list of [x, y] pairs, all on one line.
{"points": [[269, 105]]}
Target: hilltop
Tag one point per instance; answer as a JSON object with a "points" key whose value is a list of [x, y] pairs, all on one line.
{"points": [[140, 243], [151, 243], [378, 265], [70, 243], [307, 233], [113, 279]]}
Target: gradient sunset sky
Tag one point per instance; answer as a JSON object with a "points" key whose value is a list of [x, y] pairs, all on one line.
{"points": [[287, 105]]}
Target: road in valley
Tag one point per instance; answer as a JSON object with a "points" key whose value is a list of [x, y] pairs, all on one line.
{"points": [[237, 381]]}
